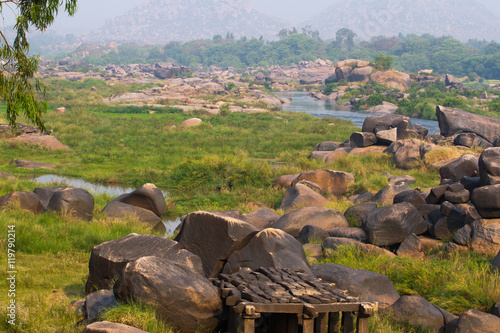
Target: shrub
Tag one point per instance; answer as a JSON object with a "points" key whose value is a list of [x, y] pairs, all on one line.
{"points": [[375, 99]]}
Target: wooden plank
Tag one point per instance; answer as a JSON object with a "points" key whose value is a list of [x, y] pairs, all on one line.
{"points": [[362, 325], [334, 322], [249, 325], [321, 323], [347, 322], [307, 325]]}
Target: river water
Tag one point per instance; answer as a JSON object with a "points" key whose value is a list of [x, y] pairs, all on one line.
{"points": [[302, 102]]}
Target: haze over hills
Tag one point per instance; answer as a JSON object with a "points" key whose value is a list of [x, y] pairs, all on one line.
{"points": [[183, 20], [462, 19]]}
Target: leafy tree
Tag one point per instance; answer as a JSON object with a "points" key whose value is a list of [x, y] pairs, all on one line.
{"points": [[344, 39], [383, 62], [19, 87]]}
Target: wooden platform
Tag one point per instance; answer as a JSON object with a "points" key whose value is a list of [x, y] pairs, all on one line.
{"points": [[281, 300]]}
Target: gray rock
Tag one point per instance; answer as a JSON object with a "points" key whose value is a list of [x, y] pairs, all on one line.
{"points": [[489, 166], [108, 259], [496, 263], [311, 233], [465, 166], [317, 216], [98, 302], [73, 201], [285, 181], [107, 327], [148, 196], [24, 200], [368, 286], [440, 230], [462, 237], [300, 195], [417, 311], [214, 238], [386, 137], [452, 121], [474, 321], [386, 195], [326, 146], [193, 302], [45, 193], [262, 218], [269, 248], [361, 198], [412, 246], [408, 155], [436, 196], [486, 236], [413, 197], [383, 122], [313, 186], [119, 210], [355, 214], [362, 139], [346, 232], [471, 183], [471, 140], [392, 224], [486, 199]]}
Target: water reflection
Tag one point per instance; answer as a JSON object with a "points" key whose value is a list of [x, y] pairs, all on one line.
{"points": [[110, 190], [171, 226], [302, 102]]}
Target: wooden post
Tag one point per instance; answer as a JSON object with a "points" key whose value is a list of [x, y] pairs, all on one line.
{"points": [[347, 322], [321, 323], [249, 315], [362, 325], [334, 322]]}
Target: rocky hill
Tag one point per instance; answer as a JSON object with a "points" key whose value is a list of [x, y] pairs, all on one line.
{"points": [[183, 20], [462, 19]]}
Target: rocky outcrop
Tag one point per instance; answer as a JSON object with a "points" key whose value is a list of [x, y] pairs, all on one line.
{"points": [[74, 202], [23, 200], [454, 121]]}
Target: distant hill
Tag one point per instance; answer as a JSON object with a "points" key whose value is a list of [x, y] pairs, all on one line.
{"points": [[462, 19], [183, 20]]}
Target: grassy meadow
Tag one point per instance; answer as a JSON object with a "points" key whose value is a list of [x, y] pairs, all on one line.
{"points": [[225, 163]]}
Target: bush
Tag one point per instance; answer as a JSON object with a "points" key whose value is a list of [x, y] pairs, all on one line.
{"points": [[375, 99], [383, 62]]}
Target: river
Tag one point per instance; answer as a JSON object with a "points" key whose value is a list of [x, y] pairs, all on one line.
{"points": [[302, 102]]}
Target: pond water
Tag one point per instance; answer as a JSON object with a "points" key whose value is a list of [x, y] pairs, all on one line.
{"points": [[171, 225], [302, 102], [111, 190]]}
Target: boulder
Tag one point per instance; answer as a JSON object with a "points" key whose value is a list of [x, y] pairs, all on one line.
{"points": [[342, 73], [108, 259], [300, 195], [362, 139], [386, 195], [486, 236], [453, 121], [368, 286], [98, 302], [192, 122], [471, 140], [285, 181], [391, 225], [450, 80], [148, 196], [269, 248], [436, 196], [332, 182], [214, 238], [412, 196], [24, 200], [463, 235], [496, 262], [262, 218], [360, 74], [108, 327], [386, 137], [6, 175], [73, 201], [32, 165], [317, 216], [487, 201], [314, 252], [384, 122], [412, 246], [61, 110], [46, 193], [120, 210], [393, 79], [319, 155], [417, 311], [386, 107], [43, 140], [326, 146], [347, 232], [408, 154], [465, 166], [181, 296], [355, 214], [361, 198], [457, 194], [406, 131], [489, 166], [335, 155], [471, 183], [310, 233], [313, 186], [474, 321], [334, 242]]}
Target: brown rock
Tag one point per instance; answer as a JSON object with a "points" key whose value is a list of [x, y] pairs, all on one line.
{"points": [[300, 195], [24, 200], [332, 182]]}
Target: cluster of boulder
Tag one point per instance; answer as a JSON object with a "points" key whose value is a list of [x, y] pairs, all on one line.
{"points": [[146, 203]]}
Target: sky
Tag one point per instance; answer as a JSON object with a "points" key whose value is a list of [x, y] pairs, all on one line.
{"points": [[92, 14]]}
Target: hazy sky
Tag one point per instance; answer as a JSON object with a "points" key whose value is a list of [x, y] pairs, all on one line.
{"points": [[93, 13]]}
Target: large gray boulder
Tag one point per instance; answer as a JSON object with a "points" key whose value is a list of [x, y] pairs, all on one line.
{"points": [[318, 216], [46, 193], [474, 321], [465, 166], [382, 123], [148, 196], [391, 225], [262, 218], [285, 181], [368, 286], [453, 121], [108, 327], [24, 200], [118, 210], [214, 238], [181, 296], [362, 139], [417, 311], [108, 259], [332, 182], [310, 233], [269, 248], [355, 214], [97, 303], [73, 201], [386, 195], [301, 195], [408, 154], [486, 236], [346, 232], [486, 199], [489, 166]]}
